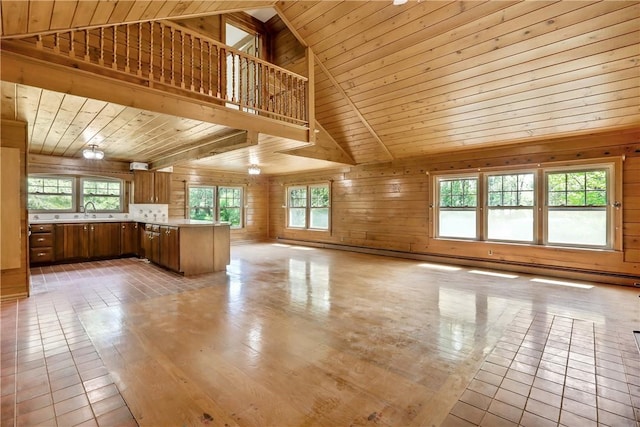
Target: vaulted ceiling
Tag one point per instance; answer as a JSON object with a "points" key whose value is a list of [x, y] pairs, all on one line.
{"points": [[391, 81]]}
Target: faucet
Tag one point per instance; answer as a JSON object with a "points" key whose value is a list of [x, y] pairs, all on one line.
{"points": [[86, 205]]}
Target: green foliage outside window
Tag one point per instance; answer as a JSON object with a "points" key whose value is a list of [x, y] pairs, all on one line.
{"points": [[511, 190], [459, 193], [49, 193], [105, 195], [584, 188], [201, 204], [230, 205]]}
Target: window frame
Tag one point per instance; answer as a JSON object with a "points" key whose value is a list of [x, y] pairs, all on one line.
{"points": [[613, 206], [214, 199], [73, 180], [81, 195], [608, 208], [487, 208], [240, 207], [307, 208], [436, 204]]}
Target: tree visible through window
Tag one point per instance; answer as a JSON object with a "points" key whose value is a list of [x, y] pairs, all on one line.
{"points": [[50, 193], [458, 201], [106, 195], [510, 207], [309, 206], [230, 205], [201, 203]]}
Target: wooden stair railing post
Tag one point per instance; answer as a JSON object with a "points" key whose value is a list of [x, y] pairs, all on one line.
{"points": [[173, 33], [87, 56], [182, 84], [161, 52], [72, 50], [127, 59], [114, 63], [193, 86], [150, 53], [140, 49], [101, 60]]}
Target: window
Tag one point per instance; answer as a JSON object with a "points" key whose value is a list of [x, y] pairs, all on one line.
{"points": [[104, 194], [201, 203], [458, 202], [230, 205], [577, 212], [50, 193], [510, 207], [309, 206], [565, 206]]}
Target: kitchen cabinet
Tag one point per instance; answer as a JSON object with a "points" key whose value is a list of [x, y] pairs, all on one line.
{"points": [[41, 244], [151, 187], [104, 240], [170, 247], [71, 242], [129, 238], [150, 243], [76, 242]]}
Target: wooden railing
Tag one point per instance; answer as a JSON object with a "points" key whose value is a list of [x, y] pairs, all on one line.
{"points": [[161, 53]]}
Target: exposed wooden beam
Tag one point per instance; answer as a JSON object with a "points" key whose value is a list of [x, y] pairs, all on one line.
{"points": [[325, 148], [207, 147], [22, 69]]}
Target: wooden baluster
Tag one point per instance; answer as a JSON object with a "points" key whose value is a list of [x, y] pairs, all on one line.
{"points": [[193, 86], [182, 85], [114, 63], [240, 76], [201, 67], [101, 60], [127, 64], [72, 50], [233, 78], [150, 52], [209, 70], [140, 49], [173, 33], [221, 54], [56, 43], [87, 55], [254, 90], [161, 52], [39, 42]]}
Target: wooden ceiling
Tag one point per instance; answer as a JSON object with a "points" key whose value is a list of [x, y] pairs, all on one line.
{"points": [[391, 81]]}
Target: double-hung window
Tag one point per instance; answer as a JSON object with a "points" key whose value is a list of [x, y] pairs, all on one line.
{"points": [[458, 207], [308, 206], [211, 203], [577, 207], [510, 207], [230, 205], [570, 205], [104, 194], [51, 193]]}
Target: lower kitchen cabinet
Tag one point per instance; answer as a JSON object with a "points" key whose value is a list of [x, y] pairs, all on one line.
{"points": [[170, 247], [41, 244], [104, 240], [72, 242], [129, 238]]}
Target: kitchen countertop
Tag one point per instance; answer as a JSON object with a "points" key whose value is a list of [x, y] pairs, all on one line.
{"points": [[171, 222]]}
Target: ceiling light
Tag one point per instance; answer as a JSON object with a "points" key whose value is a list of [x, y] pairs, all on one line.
{"points": [[92, 153], [254, 170], [399, 2]]}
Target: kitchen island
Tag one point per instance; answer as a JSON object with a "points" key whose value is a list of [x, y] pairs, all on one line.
{"points": [[185, 246]]}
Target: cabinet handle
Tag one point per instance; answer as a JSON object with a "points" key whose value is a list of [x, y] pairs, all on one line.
{"points": [[123, 227], [41, 254], [41, 239], [84, 228], [41, 228], [92, 228]]}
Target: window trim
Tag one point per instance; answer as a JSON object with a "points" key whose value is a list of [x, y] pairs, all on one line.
{"points": [[307, 207], [436, 204], [614, 200], [241, 207], [81, 194], [73, 179]]}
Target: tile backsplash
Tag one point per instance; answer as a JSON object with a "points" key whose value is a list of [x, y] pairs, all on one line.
{"points": [[149, 212]]}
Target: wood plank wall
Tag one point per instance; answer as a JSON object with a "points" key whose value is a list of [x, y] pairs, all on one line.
{"points": [[256, 199], [385, 206], [14, 282]]}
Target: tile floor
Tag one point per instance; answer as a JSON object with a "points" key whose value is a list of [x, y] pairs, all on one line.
{"points": [[562, 361], [550, 370], [51, 373]]}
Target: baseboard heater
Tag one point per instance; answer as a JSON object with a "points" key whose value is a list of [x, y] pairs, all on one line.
{"points": [[621, 279]]}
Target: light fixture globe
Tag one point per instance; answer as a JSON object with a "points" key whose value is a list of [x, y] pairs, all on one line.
{"points": [[92, 154], [254, 170]]}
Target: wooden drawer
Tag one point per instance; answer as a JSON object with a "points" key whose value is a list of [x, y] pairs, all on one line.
{"points": [[41, 228], [38, 255], [41, 240]]}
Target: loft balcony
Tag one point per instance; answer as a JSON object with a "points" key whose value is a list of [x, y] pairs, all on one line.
{"points": [[160, 64]]}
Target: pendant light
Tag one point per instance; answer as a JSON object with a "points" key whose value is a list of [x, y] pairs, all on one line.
{"points": [[92, 154]]}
